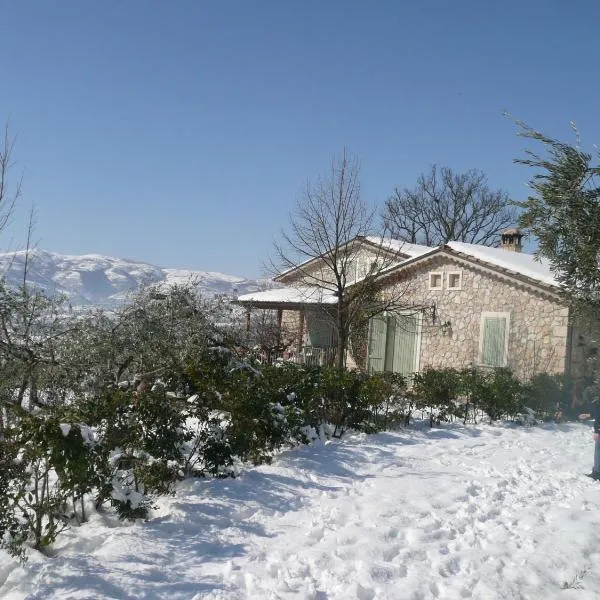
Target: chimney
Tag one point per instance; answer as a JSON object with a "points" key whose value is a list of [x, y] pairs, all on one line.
{"points": [[511, 240]]}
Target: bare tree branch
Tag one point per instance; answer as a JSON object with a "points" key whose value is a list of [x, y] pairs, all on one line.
{"points": [[8, 195], [327, 229], [446, 206]]}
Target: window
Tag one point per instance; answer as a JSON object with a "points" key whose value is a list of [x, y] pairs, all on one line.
{"points": [[493, 341], [362, 269], [354, 268], [435, 281], [454, 280], [349, 269]]}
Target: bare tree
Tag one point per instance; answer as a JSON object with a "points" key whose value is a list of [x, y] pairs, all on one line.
{"points": [[9, 195], [446, 206], [330, 223]]}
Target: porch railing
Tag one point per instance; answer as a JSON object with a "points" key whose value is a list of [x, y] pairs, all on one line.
{"points": [[316, 357]]}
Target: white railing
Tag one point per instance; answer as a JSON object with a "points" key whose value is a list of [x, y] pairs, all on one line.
{"points": [[316, 357]]}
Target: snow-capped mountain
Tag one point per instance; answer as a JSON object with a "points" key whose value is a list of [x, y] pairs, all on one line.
{"points": [[95, 280]]}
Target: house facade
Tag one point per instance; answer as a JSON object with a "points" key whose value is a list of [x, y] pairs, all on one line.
{"points": [[461, 305]]}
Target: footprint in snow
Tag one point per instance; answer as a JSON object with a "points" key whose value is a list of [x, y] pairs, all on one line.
{"points": [[390, 553], [450, 567], [316, 534], [364, 593], [385, 573]]}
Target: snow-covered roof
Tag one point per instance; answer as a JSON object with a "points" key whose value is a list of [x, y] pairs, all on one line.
{"points": [[393, 245], [518, 262], [289, 295]]}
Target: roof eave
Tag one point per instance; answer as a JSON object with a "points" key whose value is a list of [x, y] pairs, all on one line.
{"points": [[525, 279], [280, 304]]}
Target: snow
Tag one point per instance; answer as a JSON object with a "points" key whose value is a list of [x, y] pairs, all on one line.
{"points": [[410, 250], [86, 432], [477, 512], [297, 294], [518, 262], [104, 281]]}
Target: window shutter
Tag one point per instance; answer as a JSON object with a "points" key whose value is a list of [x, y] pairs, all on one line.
{"points": [[405, 345], [494, 337], [377, 339], [390, 343]]}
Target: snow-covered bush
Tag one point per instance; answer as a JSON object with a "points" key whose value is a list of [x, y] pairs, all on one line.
{"points": [[259, 420], [13, 529], [48, 467], [207, 450]]}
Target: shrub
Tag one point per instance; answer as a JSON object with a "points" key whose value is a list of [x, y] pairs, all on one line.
{"points": [[436, 391], [47, 472], [13, 530], [343, 403], [549, 396], [498, 393], [385, 397]]}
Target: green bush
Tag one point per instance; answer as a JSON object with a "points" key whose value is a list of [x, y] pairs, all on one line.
{"points": [[47, 469], [387, 402], [436, 391], [550, 396], [498, 393]]}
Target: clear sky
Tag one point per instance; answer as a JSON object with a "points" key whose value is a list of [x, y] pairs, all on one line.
{"points": [[181, 132]]}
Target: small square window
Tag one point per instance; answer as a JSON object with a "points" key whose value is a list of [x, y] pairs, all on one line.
{"points": [[454, 280], [435, 281]]}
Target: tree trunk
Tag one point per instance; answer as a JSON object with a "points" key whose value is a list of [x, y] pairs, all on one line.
{"points": [[341, 336]]}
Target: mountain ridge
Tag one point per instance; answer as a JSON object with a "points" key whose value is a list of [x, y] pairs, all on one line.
{"points": [[106, 281]]}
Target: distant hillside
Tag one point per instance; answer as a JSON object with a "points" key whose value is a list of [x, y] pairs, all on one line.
{"points": [[95, 280]]}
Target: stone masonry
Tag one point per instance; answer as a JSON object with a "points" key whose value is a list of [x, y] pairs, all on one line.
{"points": [[538, 322]]}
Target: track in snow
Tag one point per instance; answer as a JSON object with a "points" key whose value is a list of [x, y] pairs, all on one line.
{"points": [[483, 513]]}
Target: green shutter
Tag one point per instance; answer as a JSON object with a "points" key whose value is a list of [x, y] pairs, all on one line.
{"points": [[389, 344], [494, 337], [405, 345], [377, 342]]}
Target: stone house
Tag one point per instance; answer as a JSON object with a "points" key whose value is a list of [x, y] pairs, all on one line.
{"points": [[462, 304]]}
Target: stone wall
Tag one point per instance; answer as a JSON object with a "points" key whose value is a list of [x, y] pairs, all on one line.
{"points": [[585, 347], [538, 326]]}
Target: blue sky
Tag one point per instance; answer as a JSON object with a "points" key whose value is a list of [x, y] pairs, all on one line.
{"points": [[180, 133]]}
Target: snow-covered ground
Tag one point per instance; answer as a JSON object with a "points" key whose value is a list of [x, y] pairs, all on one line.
{"points": [[479, 512]]}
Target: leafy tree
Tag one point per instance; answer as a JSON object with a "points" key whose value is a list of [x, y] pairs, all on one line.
{"points": [[445, 206], [563, 213]]}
